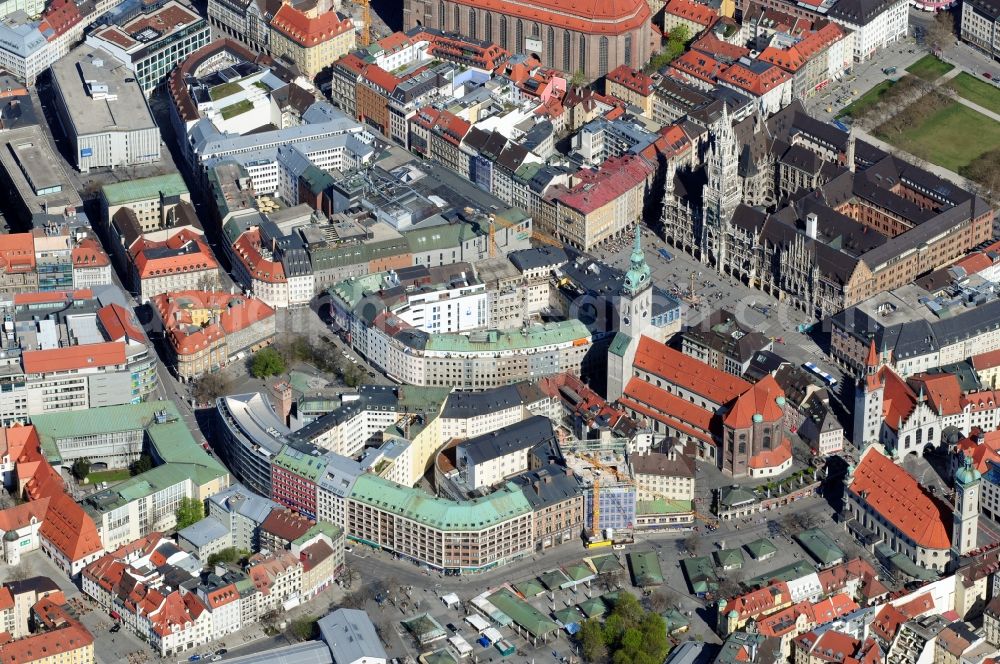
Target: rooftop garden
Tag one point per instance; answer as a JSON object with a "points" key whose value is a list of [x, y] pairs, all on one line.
{"points": [[224, 90], [238, 108]]}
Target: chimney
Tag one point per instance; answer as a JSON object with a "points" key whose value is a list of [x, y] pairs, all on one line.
{"points": [[812, 223]]}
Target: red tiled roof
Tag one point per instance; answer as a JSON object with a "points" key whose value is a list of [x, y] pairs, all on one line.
{"points": [[761, 399], [70, 358], [898, 400], [698, 65], [52, 643], [679, 369], [17, 252], [631, 79], [395, 42], [307, 30], [286, 524], [231, 313], [119, 323], [88, 253], [616, 177], [834, 646], [756, 84], [70, 529], [608, 17], [986, 360], [774, 457], [943, 391], [979, 401], [902, 501], [661, 405], [380, 78], [692, 11], [982, 451], [248, 251], [149, 264], [22, 515], [711, 45], [53, 297]]}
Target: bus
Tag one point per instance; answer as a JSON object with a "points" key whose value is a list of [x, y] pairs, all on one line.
{"points": [[824, 376]]}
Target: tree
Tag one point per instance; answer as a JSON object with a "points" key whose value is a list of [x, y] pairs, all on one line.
{"points": [[228, 555], [692, 544], [81, 468], [677, 42], [591, 638], [349, 575], [940, 31], [141, 465], [579, 79], [209, 387], [661, 599], [267, 362], [189, 511], [303, 628]]}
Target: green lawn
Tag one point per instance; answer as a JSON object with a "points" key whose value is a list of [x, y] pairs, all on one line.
{"points": [[224, 90], [952, 137], [930, 68], [867, 100], [238, 108], [108, 476], [979, 92]]}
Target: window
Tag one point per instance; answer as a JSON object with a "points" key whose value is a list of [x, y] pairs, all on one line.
{"points": [[472, 23], [519, 36], [582, 64], [458, 19], [550, 47], [503, 32], [628, 50], [603, 57], [565, 65], [489, 26], [441, 14]]}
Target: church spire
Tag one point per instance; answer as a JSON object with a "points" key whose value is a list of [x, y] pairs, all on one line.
{"points": [[637, 277]]}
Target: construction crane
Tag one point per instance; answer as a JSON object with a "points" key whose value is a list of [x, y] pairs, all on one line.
{"points": [[493, 236], [365, 37], [614, 471], [544, 238], [595, 538]]}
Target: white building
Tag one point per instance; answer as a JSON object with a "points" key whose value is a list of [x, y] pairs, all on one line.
{"points": [[103, 111], [486, 460], [875, 23], [24, 51]]}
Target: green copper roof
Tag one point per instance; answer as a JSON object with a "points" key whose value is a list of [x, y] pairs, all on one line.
{"points": [[619, 344], [645, 568], [302, 464], [638, 276], [525, 615], [967, 474], [52, 427], [760, 548], [144, 189], [439, 513]]}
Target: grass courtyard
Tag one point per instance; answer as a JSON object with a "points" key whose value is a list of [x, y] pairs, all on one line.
{"points": [[98, 476], [978, 92], [858, 107], [930, 68], [953, 137]]}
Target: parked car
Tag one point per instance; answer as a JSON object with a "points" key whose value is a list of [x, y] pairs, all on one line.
{"points": [[194, 658], [221, 651]]}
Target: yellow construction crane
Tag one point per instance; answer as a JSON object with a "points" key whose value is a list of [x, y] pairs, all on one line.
{"points": [[614, 471], [365, 37], [493, 237]]}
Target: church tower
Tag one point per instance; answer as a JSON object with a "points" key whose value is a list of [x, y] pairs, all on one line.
{"points": [[868, 402], [721, 193], [635, 311], [965, 523]]}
